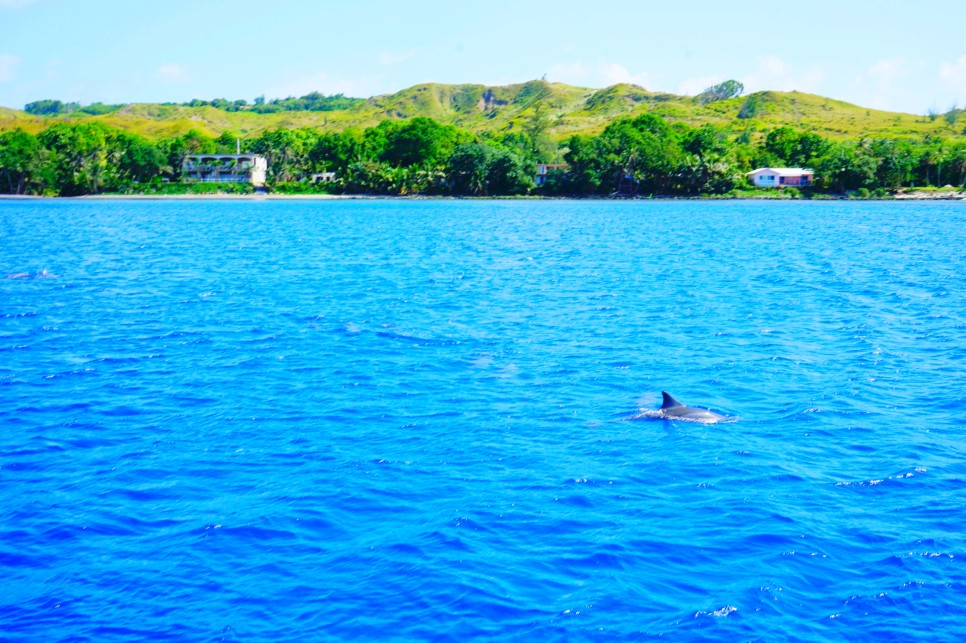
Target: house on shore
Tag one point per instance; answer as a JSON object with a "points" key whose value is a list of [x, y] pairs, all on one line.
{"points": [[322, 177], [544, 169], [779, 177], [225, 168]]}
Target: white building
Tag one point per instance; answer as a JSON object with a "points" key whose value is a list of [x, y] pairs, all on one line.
{"points": [[778, 177], [225, 168], [543, 169]]}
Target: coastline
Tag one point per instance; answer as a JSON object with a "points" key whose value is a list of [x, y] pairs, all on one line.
{"points": [[219, 197], [190, 197], [903, 196]]}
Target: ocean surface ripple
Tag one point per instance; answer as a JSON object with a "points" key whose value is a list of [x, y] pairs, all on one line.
{"points": [[405, 420]]}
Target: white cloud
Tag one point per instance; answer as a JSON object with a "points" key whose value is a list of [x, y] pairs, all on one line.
{"points": [[906, 84], [395, 58], [876, 87], [886, 71], [774, 73], [8, 66], [173, 73], [694, 86], [572, 74], [600, 75], [954, 75], [613, 74], [324, 83]]}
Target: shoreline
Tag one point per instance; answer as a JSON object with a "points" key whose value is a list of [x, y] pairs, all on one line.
{"points": [[906, 196]]}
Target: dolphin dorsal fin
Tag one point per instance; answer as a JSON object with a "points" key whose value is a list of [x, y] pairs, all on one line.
{"points": [[669, 402]]}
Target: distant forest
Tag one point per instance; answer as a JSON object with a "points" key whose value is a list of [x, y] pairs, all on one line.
{"points": [[643, 155], [313, 102]]}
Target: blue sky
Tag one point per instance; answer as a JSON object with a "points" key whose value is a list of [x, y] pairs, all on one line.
{"points": [[884, 54]]}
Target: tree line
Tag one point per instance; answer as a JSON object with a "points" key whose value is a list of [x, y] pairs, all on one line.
{"points": [[640, 155], [648, 155], [312, 102], [51, 107]]}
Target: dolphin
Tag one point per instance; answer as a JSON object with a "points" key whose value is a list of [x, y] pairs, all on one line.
{"points": [[671, 409], [24, 275]]}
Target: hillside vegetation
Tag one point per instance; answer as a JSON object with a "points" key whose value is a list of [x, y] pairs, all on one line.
{"points": [[561, 111], [477, 140]]}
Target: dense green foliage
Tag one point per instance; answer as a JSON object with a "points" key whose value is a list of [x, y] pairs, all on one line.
{"points": [[646, 155], [545, 114], [55, 107], [419, 156], [218, 103], [640, 155], [313, 102], [721, 91]]}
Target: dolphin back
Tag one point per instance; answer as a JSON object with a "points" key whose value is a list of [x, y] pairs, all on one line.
{"points": [[669, 402], [671, 409], [674, 410]]}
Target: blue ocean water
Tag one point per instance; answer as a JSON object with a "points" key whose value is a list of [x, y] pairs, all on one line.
{"points": [[404, 420]]}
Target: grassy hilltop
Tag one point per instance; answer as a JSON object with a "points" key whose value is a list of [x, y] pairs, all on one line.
{"points": [[481, 140], [565, 110]]}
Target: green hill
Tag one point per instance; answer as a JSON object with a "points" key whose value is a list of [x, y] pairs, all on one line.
{"points": [[567, 110]]}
